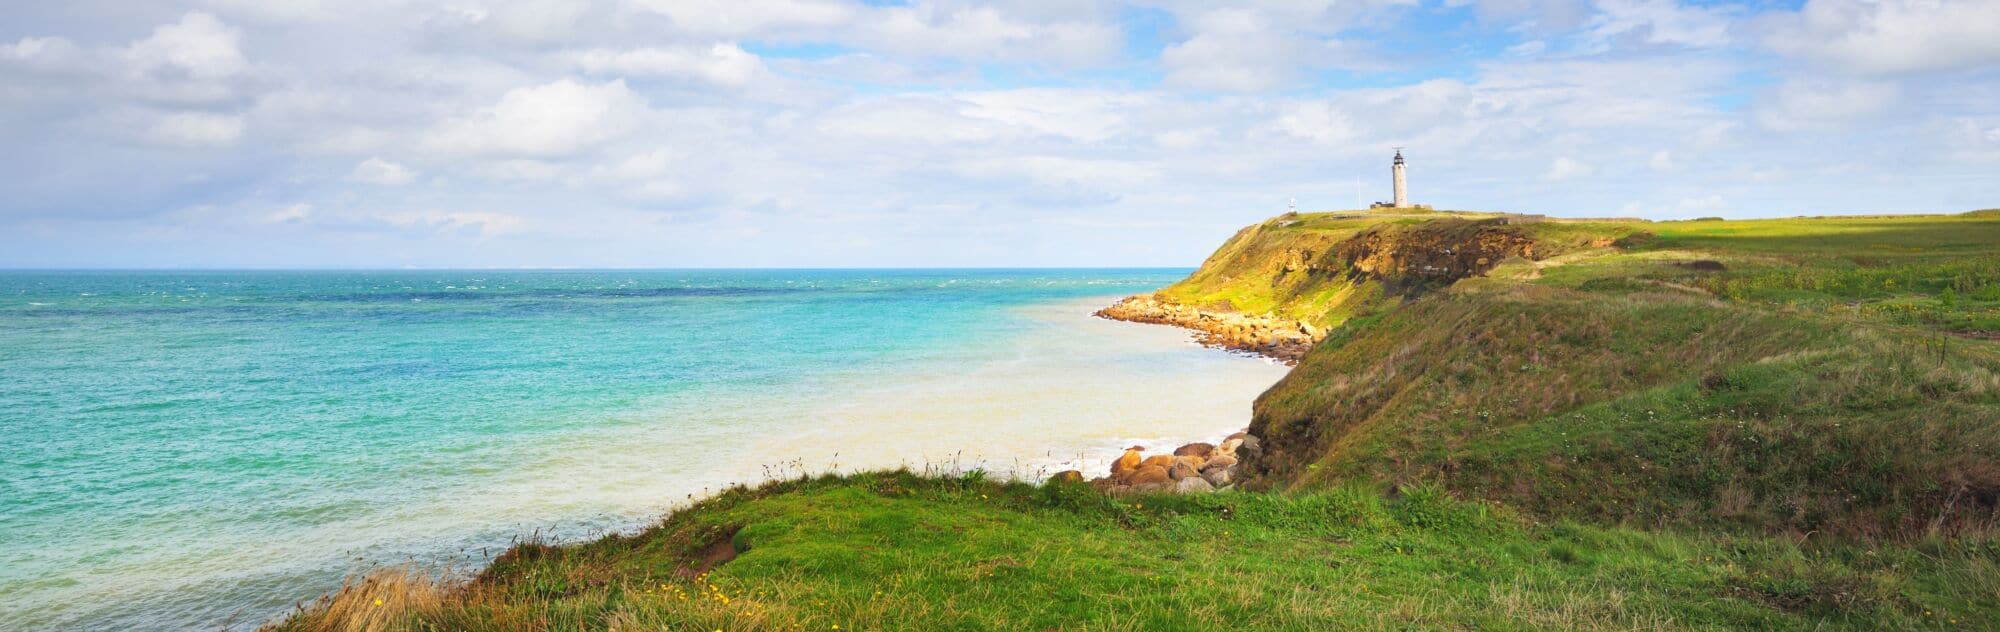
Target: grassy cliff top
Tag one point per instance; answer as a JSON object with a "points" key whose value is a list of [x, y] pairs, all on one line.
{"points": [[1290, 266]]}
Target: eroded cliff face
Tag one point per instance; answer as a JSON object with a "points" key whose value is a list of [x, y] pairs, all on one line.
{"points": [[1364, 269], [1432, 254]]}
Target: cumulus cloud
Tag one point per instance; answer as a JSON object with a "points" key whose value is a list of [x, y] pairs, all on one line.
{"points": [[552, 119], [199, 46], [1890, 36]]}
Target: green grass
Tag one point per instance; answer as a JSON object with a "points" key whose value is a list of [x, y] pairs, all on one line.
{"points": [[1656, 409], [898, 551]]}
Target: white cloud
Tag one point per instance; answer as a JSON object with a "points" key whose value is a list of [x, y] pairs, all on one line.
{"points": [[1247, 50], [379, 171], [38, 49], [1890, 36], [1817, 105], [551, 119], [196, 129], [1318, 122], [198, 46], [724, 64], [983, 33], [1564, 168]]}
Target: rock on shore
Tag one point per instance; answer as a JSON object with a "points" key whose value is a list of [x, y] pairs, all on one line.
{"points": [[1193, 468], [1281, 338]]}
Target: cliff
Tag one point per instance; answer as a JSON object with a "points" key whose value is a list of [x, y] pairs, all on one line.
{"points": [[1277, 287]]}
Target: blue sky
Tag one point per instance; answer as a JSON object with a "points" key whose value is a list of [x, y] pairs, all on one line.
{"points": [[686, 133]]}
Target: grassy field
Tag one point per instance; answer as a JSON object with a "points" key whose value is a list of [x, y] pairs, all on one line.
{"points": [[1772, 424]]}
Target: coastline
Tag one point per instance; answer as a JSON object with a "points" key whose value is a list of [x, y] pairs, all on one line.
{"points": [[1281, 339]]}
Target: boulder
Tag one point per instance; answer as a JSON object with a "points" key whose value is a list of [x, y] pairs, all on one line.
{"points": [[1148, 474], [1181, 470], [1219, 476], [1128, 461], [1191, 461], [1068, 476], [1193, 484], [1219, 460], [1152, 487], [1195, 449], [1229, 445], [1162, 460]]}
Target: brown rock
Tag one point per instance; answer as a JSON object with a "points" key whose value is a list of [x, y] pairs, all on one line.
{"points": [[1068, 476], [1127, 462], [1195, 449], [1148, 474], [1161, 460], [1230, 444], [1193, 484], [1219, 460], [1151, 487], [1181, 470]]}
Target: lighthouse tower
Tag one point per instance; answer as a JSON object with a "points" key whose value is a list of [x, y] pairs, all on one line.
{"points": [[1402, 187]]}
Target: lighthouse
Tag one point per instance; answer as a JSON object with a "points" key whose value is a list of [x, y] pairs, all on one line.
{"points": [[1402, 199], [1402, 186]]}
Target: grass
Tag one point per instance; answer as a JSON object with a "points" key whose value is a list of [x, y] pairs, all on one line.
{"points": [[1770, 424], [894, 550]]}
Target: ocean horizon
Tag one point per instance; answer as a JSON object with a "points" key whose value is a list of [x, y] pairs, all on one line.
{"points": [[204, 448]]}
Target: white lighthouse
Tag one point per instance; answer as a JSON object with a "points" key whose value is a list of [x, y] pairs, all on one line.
{"points": [[1402, 186]]}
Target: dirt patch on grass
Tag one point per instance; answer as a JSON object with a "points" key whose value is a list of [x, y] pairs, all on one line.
{"points": [[719, 550]]}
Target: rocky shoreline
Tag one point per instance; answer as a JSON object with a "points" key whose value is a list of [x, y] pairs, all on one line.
{"points": [[1192, 468], [1282, 339]]}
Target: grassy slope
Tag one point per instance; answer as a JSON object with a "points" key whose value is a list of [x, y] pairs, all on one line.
{"points": [[1806, 387], [1604, 438], [896, 551]]}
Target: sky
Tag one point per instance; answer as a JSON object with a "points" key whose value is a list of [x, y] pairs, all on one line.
{"points": [[831, 133]]}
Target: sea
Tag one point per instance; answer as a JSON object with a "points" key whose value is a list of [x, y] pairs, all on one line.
{"points": [[207, 449]]}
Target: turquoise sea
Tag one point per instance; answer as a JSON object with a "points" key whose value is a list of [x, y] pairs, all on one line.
{"points": [[201, 450]]}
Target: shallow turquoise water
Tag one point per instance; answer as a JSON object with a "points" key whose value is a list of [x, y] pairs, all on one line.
{"points": [[191, 449]]}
